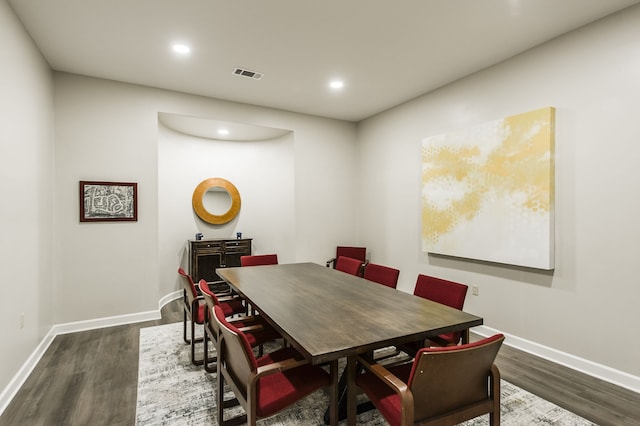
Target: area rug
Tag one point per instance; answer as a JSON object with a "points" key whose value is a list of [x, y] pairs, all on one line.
{"points": [[171, 391]]}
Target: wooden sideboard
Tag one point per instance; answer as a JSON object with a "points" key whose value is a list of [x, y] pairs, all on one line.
{"points": [[207, 255]]}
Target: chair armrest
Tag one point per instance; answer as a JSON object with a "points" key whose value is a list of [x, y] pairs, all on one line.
{"points": [[397, 385], [245, 319], [228, 298], [252, 328], [250, 323], [278, 367], [385, 375], [330, 261], [494, 382]]}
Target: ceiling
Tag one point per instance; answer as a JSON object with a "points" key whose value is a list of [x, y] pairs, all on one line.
{"points": [[386, 52]]}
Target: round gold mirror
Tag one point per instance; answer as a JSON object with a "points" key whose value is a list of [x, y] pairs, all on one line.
{"points": [[215, 183]]}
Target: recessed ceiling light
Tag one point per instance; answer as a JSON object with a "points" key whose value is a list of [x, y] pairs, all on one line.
{"points": [[336, 84], [223, 132], [181, 48]]}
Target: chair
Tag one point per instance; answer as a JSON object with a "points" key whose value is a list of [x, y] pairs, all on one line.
{"points": [[259, 259], [259, 331], [442, 386], [265, 385], [359, 253], [349, 265], [381, 274], [448, 293], [193, 307], [230, 304]]}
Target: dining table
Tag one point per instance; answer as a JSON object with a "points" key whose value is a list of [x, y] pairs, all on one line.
{"points": [[328, 315]]}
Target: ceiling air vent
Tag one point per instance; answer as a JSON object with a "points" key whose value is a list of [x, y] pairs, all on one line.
{"points": [[247, 73]]}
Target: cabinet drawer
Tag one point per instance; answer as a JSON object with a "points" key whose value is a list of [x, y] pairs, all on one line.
{"points": [[207, 245], [237, 247]]}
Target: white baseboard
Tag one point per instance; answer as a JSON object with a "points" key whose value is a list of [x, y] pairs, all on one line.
{"points": [[608, 374], [169, 298], [21, 376], [74, 327]]}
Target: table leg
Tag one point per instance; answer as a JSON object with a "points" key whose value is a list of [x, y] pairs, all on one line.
{"points": [[333, 394], [351, 391], [342, 390], [465, 336], [341, 406]]}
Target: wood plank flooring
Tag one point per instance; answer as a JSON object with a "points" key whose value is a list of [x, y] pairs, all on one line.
{"points": [[91, 378]]}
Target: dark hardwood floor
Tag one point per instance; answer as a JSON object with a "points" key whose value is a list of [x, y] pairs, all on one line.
{"points": [[90, 378]]}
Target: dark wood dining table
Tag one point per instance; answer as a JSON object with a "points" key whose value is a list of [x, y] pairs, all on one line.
{"points": [[327, 314]]}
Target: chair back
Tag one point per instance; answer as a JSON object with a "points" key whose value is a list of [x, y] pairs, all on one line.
{"points": [[443, 380], [190, 290], [382, 274], [259, 259], [359, 253], [349, 265], [211, 300], [235, 354], [442, 291]]}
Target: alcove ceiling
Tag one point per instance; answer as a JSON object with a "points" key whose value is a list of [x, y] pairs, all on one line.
{"points": [[385, 52], [209, 128]]}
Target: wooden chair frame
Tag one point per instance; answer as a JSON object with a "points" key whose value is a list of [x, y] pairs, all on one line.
{"points": [[246, 393], [409, 396]]}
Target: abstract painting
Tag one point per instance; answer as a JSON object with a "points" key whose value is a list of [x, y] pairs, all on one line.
{"points": [[108, 201], [488, 191]]}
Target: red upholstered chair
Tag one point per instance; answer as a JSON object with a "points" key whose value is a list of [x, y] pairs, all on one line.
{"points": [[265, 385], [230, 304], [443, 386], [193, 307], [259, 259], [448, 293], [349, 265], [381, 274], [258, 331], [359, 253]]}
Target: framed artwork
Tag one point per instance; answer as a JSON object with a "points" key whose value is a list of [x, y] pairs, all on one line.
{"points": [[488, 191], [108, 201]]}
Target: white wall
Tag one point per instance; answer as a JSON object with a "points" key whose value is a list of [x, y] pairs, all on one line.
{"points": [[26, 189], [110, 131], [588, 306]]}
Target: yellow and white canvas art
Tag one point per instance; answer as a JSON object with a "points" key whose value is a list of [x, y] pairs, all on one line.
{"points": [[488, 191]]}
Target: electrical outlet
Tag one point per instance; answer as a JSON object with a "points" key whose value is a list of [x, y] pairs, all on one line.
{"points": [[475, 290], [22, 320]]}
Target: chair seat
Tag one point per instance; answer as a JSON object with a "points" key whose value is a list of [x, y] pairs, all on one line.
{"points": [[381, 395], [282, 389], [232, 307]]}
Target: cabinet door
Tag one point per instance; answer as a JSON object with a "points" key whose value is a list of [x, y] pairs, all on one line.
{"points": [[205, 257], [233, 250], [205, 266]]}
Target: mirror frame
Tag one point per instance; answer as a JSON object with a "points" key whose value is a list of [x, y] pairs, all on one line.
{"points": [[207, 216]]}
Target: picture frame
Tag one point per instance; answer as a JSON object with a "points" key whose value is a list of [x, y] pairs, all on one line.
{"points": [[108, 201]]}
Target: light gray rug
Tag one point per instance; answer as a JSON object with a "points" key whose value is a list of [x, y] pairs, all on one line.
{"points": [[173, 392]]}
